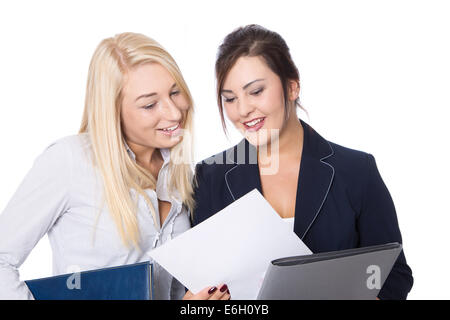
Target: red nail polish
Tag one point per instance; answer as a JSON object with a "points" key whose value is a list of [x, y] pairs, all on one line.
{"points": [[224, 288], [212, 290]]}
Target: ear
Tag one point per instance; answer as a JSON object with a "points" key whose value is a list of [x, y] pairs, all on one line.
{"points": [[294, 89]]}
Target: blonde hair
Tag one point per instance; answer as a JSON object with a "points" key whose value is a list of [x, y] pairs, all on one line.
{"points": [[102, 121]]}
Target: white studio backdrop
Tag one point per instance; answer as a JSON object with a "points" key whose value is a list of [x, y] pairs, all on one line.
{"points": [[375, 76]]}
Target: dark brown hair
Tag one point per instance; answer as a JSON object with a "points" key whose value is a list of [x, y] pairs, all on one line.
{"points": [[255, 41]]}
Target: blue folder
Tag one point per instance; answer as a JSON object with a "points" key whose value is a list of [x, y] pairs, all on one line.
{"points": [[127, 282]]}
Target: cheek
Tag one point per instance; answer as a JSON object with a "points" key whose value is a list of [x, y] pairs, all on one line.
{"points": [[231, 112], [274, 103], [126, 120], [138, 121], [273, 108]]}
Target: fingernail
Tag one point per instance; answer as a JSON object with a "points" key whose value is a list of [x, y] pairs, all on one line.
{"points": [[212, 290], [223, 288]]}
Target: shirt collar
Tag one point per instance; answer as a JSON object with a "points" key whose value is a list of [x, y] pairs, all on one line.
{"points": [[165, 153]]}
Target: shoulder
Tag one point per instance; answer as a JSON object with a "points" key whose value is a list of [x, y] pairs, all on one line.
{"points": [[345, 156], [73, 141], [218, 164], [340, 157], [66, 150], [354, 167]]}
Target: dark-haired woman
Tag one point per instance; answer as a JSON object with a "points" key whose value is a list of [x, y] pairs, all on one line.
{"points": [[333, 196]]}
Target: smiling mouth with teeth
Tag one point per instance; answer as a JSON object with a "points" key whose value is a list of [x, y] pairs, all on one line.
{"points": [[255, 124], [170, 130]]}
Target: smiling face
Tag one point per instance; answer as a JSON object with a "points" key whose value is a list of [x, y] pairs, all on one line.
{"points": [[253, 99], [153, 107]]}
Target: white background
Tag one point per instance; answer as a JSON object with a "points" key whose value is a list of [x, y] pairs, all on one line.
{"points": [[375, 76]]}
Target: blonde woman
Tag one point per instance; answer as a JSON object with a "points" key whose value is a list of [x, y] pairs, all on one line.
{"points": [[121, 186]]}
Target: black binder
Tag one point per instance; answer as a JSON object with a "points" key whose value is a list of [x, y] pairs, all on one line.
{"points": [[352, 274]]}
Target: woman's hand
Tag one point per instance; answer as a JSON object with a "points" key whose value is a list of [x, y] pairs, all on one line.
{"points": [[210, 293]]}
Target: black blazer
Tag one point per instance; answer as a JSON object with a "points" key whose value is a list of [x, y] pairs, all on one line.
{"points": [[342, 202]]}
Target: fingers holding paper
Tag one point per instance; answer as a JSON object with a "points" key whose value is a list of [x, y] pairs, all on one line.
{"points": [[222, 293], [210, 293]]}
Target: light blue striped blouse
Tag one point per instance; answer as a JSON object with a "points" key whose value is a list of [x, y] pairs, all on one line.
{"points": [[61, 196]]}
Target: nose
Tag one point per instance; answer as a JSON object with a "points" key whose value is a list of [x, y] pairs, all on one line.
{"points": [[171, 110], [244, 108]]}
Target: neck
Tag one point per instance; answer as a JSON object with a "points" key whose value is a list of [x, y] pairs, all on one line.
{"points": [[291, 137], [290, 142], [145, 156]]}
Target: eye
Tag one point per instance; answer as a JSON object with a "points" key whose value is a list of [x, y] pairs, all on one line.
{"points": [[149, 106], [175, 93], [257, 91], [228, 100]]}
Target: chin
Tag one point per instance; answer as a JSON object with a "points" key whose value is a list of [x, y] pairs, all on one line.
{"points": [[171, 142], [254, 141], [262, 137]]}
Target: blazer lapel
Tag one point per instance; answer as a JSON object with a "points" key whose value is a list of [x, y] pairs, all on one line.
{"points": [[315, 179], [243, 177]]}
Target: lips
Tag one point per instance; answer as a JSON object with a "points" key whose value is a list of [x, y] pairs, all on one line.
{"points": [[169, 131], [254, 124]]}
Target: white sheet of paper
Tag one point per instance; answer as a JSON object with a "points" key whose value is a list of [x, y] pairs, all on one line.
{"points": [[234, 246]]}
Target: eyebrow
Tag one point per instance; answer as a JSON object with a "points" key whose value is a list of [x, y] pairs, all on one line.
{"points": [[146, 95], [244, 87]]}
